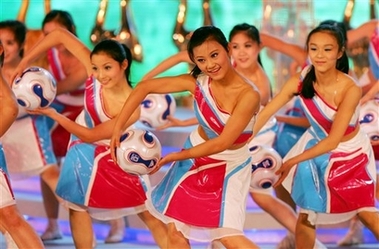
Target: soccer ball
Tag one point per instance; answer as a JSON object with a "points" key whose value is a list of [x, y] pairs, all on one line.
{"points": [[35, 88], [265, 162], [369, 119], [155, 109], [139, 151]]}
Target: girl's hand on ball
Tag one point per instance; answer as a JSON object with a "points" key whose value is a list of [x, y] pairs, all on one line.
{"points": [[283, 171], [163, 161], [18, 71], [172, 122], [114, 144], [48, 111]]}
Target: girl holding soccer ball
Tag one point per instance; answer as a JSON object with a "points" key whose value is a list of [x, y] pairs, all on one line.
{"points": [[88, 159]]}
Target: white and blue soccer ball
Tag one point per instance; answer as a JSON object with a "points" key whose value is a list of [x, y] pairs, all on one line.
{"points": [[35, 88], [265, 162], [369, 119], [139, 151], [155, 108]]}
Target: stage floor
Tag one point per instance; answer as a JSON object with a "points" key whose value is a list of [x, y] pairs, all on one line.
{"points": [[266, 235], [141, 238]]}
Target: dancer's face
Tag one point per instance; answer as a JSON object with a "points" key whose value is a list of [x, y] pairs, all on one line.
{"points": [[244, 50], [10, 45], [108, 71], [323, 50], [212, 59]]}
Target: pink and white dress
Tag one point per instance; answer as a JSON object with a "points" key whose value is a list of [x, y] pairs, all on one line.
{"points": [[89, 179], [335, 186], [206, 197]]}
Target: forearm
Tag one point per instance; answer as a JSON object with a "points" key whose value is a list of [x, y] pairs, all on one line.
{"points": [[58, 36], [189, 122], [292, 50], [83, 133], [319, 149], [40, 48], [295, 121], [207, 148], [167, 64]]}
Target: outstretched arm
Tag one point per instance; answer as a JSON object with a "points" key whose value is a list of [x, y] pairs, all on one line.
{"points": [[285, 95], [292, 50], [247, 106], [168, 63], [291, 120], [174, 122], [56, 37], [173, 84], [364, 31], [87, 135]]}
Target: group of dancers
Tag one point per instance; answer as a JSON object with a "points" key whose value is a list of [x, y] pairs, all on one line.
{"points": [[328, 170]]}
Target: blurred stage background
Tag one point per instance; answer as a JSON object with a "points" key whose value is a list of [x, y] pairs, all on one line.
{"points": [[154, 21]]}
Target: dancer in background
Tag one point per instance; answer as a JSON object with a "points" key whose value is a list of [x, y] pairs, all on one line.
{"points": [[330, 100], [290, 131], [88, 156], [369, 30], [212, 173], [27, 144], [17, 231], [70, 75]]}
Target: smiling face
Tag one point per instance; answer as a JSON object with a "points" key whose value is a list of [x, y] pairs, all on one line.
{"points": [[244, 50], [212, 59], [323, 51], [11, 47], [108, 71]]}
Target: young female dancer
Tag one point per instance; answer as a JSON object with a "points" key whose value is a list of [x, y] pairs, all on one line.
{"points": [[18, 233], [244, 48], [27, 144], [212, 173], [368, 30], [312, 170], [70, 75], [88, 171]]}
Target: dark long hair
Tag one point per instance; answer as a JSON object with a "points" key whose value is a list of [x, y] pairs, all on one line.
{"points": [[117, 51], [250, 31], [342, 64], [18, 29], [201, 35], [62, 17]]}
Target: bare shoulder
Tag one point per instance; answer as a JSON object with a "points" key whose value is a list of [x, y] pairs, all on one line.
{"points": [[250, 95], [348, 80], [351, 85]]}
